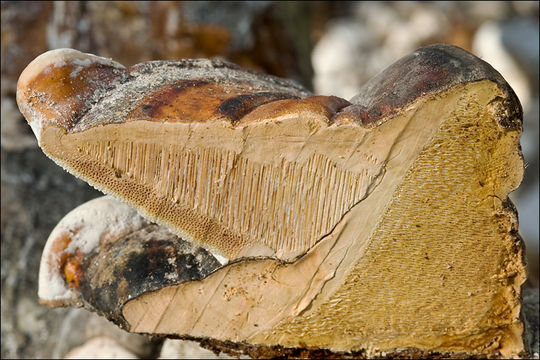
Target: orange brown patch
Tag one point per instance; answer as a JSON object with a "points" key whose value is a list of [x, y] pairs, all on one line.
{"points": [[67, 264], [199, 101], [72, 269], [326, 106], [61, 243], [183, 101], [63, 92]]}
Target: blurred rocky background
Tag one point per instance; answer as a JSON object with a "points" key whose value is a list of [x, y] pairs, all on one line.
{"points": [[331, 48]]}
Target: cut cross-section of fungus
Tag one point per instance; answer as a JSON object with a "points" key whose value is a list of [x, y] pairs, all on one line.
{"points": [[376, 225]]}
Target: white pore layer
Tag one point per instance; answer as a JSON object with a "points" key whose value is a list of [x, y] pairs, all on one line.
{"points": [[86, 225]]}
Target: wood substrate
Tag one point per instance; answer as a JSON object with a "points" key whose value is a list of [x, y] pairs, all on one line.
{"points": [[379, 226]]}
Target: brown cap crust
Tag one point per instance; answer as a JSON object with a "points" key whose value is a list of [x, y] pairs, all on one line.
{"points": [[59, 86], [76, 91], [325, 106], [200, 101], [427, 71]]}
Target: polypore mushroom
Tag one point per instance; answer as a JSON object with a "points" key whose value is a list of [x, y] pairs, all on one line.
{"points": [[376, 225], [103, 254]]}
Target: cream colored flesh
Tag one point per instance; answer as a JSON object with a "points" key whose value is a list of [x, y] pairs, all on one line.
{"points": [[236, 297], [274, 188], [404, 267]]}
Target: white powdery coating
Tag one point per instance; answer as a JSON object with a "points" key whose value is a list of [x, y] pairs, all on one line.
{"points": [[61, 57], [52, 286], [37, 120], [83, 63], [87, 225]]}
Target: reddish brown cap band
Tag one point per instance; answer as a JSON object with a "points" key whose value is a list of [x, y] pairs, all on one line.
{"points": [[427, 71], [235, 108], [200, 100]]}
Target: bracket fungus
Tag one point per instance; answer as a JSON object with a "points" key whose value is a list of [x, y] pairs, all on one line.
{"points": [[278, 223]]}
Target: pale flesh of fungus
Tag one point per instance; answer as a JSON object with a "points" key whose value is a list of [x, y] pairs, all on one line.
{"points": [[366, 226]]}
